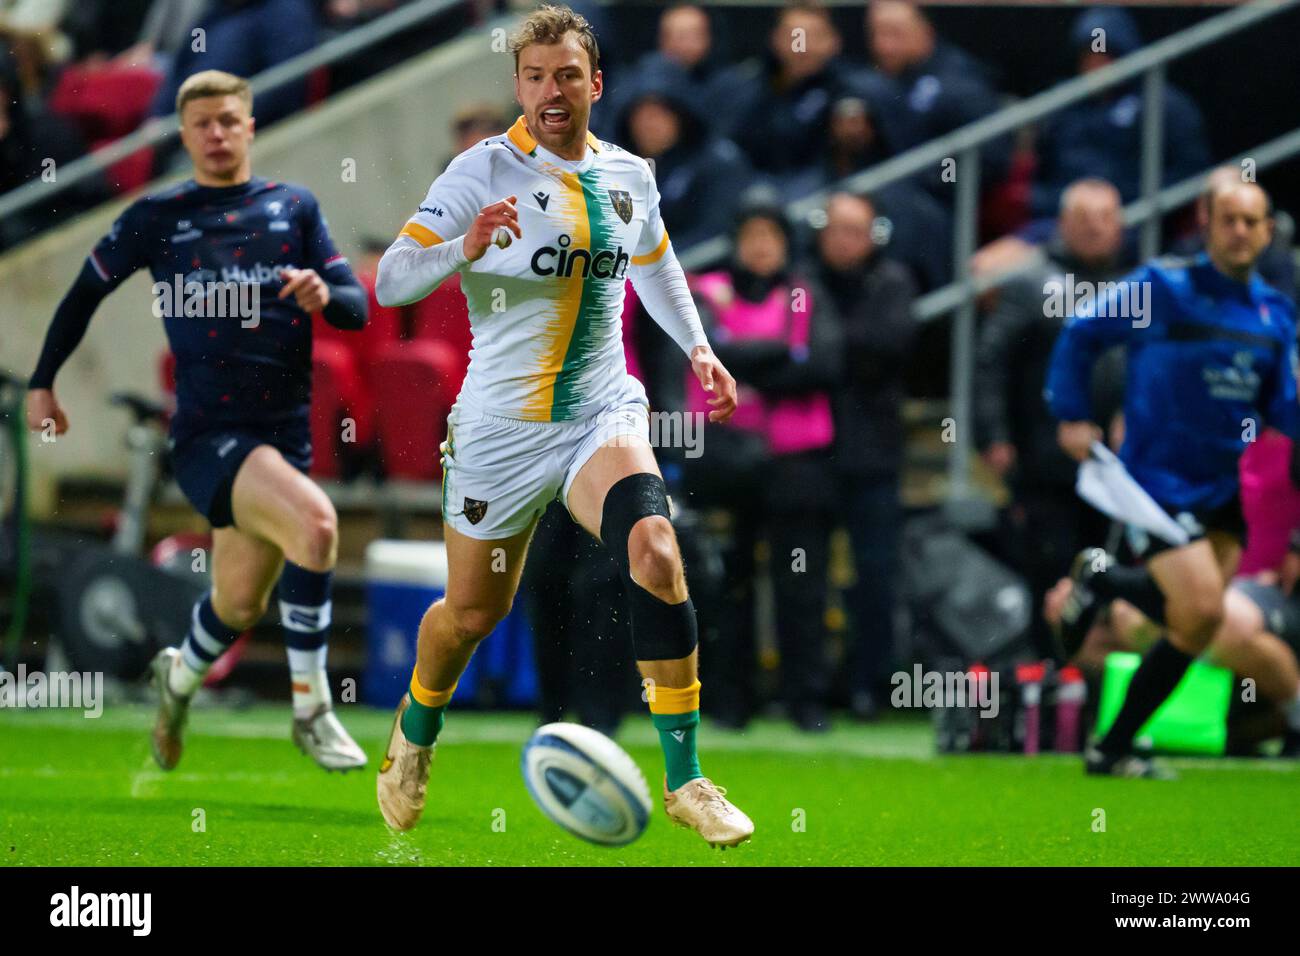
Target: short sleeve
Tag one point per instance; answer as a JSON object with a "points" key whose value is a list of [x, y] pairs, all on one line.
{"points": [[454, 199], [653, 242], [123, 249]]}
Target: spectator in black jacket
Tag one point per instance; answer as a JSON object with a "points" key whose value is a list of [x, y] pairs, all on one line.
{"points": [[1049, 524], [911, 226], [923, 87], [582, 641], [700, 175], [873, 298], [770, 467], [1102, 136], [246, 37], [781, 119], [687, 48], [34, 144]]}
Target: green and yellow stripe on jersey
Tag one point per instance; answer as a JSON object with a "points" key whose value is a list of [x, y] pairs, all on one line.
{"points": [[580, 312], [578, 307]]}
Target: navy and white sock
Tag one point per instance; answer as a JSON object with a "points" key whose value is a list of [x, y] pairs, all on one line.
{"points": [[305, 612], [208, 639]]}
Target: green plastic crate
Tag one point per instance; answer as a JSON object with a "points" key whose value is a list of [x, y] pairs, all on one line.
{"points": [[1194, 720]]}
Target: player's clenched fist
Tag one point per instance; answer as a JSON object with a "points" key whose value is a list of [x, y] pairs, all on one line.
{"points": [[500, 214], [310, 291]]}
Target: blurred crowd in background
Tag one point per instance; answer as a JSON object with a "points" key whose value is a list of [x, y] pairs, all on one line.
{"points": [[76, 75], [798, 117], [819, 443]]}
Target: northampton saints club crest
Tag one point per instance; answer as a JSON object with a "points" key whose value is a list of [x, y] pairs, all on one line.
{"points": [[622, 203], [475, 510]]}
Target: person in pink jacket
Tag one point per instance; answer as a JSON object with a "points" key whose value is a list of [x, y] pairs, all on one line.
{"points": [[771, 465]]}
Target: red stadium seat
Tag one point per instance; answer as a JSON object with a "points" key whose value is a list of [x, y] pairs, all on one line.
{"points": [[383, 326], [338, 392], [105, 102], [415, 384], [330, 367], [1005, 206], [130, 172], [318, 86], [443, 316]]}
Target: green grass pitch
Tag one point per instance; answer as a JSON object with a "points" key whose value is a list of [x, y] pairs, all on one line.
{"points": [[79, 792]]}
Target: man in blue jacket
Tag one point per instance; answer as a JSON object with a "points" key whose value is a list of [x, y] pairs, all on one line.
{"points": [[1211, 353]]}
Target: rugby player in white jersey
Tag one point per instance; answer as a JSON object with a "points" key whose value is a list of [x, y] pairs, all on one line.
{"points": [[544, 225]]}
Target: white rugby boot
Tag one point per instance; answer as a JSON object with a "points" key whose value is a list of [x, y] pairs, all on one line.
{"points": [[173, 710], [403, 776], [702, 806], [322, 737]]}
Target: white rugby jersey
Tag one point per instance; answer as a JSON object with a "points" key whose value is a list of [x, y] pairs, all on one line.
{"points": [[546, 311]]}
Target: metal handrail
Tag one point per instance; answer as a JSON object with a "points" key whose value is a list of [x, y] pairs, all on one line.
{"points": [[963, 145], [161, 129], [941, 301], [1018, 115]]}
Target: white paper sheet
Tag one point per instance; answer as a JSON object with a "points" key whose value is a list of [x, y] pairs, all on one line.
{"points": [[1105, 484]]}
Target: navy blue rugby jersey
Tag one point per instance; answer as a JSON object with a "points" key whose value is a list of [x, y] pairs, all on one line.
{"points": [[217, 256]]}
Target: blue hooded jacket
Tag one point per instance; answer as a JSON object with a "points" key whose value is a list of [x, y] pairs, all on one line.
{"points": [[1211, 361]]}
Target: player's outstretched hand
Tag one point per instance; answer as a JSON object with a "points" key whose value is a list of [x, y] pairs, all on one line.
{"points": [[717, 380], [42, 409], [500, 214], [310, 290], [1076, 438]]}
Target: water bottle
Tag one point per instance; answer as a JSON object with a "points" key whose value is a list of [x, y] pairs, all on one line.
{"points": [[1071, 693], [1030, 679], [979, 734]]}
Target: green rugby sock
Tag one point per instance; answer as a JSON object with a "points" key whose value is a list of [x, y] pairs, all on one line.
{"points": [[421, 724], [677, 738]]}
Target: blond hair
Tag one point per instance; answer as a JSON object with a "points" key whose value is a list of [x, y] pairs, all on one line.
{"points": [[548, 25], [214, 83]]}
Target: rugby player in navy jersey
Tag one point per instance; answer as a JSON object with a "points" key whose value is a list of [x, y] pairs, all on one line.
{"points": [[263, 260]]}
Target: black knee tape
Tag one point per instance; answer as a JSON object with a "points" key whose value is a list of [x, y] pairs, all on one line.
{"points": [[660, 631], [627, 502]]}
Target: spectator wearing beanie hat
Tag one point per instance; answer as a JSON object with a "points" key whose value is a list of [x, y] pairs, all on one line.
{"points": [[1102, 136]]}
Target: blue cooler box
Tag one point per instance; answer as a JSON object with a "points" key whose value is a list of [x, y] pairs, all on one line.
{"points": [[402, 579]]}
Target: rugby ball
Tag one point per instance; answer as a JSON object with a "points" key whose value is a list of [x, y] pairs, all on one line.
{"points": [[586, 783]]}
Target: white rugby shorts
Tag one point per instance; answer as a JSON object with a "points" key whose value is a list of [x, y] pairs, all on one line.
{"points": [[499, 474]]}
